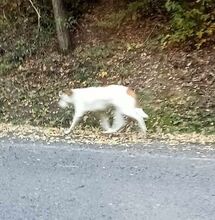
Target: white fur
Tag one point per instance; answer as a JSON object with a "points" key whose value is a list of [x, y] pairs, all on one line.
{"points": [[99, 98]]}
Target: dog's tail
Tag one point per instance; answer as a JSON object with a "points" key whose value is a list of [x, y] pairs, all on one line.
{"points": [[142, 113]]}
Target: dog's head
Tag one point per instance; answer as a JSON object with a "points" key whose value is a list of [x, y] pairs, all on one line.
{"points": [[66, 98]]}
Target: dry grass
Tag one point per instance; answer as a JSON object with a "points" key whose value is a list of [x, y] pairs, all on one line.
{"points": [[95, 136]]}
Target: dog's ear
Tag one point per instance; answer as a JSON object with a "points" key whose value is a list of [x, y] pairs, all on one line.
{"points": [[70, 92], [60, 93]]}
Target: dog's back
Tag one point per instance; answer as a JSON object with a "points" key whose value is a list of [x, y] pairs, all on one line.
{"points": [[106, 93]]}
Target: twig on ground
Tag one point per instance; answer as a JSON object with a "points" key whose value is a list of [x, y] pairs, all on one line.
{"points": [[149, 34]]}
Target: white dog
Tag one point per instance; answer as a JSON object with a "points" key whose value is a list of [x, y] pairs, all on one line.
{"points": [[122, 98]]}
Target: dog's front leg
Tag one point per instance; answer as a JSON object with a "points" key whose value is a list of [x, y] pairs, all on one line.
{"points": [[75, 120], [119, 121]]}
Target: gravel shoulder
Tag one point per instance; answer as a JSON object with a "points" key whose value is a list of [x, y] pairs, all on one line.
{"points": [[196, 145]]}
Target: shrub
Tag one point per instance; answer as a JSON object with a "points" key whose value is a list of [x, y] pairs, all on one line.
{"points": [[191, 20], [141, 8]]}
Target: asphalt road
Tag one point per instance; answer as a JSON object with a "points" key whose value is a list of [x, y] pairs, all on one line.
{"points": [[60, 181]]}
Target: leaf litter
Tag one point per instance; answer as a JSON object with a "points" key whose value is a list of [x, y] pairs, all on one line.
{"points": [[95, 136], [177, 87]]}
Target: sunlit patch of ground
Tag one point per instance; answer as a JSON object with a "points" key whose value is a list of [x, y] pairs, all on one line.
{"points": [[95, 136]]}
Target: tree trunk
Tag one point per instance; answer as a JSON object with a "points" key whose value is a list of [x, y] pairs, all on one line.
{"points": [[60, 20]]}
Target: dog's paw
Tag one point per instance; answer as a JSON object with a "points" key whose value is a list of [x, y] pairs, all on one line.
{"points": [[109, 131], [144, 133], [66, 131]]}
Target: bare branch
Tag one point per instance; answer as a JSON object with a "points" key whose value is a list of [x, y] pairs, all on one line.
{"points": [[38, 15]]}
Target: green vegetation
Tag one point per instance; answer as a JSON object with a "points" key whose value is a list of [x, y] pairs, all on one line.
{"points": [[126, 42], [193, 20]]}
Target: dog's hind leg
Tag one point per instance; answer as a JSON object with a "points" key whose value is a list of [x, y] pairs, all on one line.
{"points": [[132, 113], [142, 113], [104, 122], [117, 123]]}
